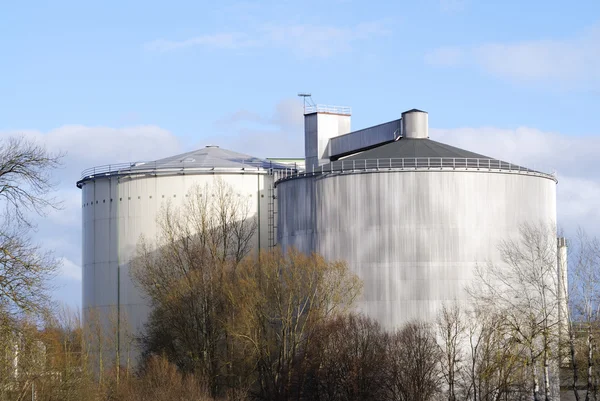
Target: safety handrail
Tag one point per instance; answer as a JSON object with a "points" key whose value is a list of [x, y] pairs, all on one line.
{"points": [[417, 163], [324, 108], [144, 167]]}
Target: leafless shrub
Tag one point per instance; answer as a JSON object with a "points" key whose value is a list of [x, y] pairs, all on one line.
{"points": [[414, 364]]}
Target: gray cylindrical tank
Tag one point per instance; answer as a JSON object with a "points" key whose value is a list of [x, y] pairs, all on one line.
{"points": [[413, 235], [121, 202]]}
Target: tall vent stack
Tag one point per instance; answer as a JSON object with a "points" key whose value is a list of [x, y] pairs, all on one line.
{"points": [[563, 291]]}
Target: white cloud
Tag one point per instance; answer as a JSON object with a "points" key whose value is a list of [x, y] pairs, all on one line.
{"points": [[69, 213], [571, 62], [86, 147], [289, 113], [320, 41], [69, 269], [573, 158], [109, 145], [228, 40], [304, 40], [570, 155], [578, 202], [279, 134], [266, 143]]}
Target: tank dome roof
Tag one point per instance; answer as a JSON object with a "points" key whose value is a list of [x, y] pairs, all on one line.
{"points": [[410, 148], [195, 162], [212, 156]]}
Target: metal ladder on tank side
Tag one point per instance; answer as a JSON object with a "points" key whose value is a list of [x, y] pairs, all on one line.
{"points": [[272, 213]]}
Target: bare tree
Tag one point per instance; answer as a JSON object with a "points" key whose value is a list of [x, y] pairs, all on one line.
{"points": [[25, 272], [66, 375], [25, 178], [414, 368], [584, 299], [451, 332], [25, 268], [279, 301], [25, 188], [98, 339], [348, 361], [160, 380], [495, 370], [21, 359], [183, 273], [523, 293]]}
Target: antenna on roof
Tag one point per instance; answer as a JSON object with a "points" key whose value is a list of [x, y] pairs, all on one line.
{"points": [[307, 99]]}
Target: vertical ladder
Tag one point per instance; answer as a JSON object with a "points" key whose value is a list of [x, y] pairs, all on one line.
{"points": [[272, 212]]}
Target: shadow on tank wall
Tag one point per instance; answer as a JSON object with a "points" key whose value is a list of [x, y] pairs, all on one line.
{"points": [[213, 211]]}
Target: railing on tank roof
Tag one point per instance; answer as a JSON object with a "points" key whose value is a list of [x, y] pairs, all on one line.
{"points": [[417, 163], [323, 108], [108, 168], [180, 166]]}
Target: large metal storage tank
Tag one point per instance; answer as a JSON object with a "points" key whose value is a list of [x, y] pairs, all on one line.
{"points": [[412, 217], [120, 203]]}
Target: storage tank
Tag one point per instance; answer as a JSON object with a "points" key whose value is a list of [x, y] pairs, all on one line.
{"points": [[412, 217], [120, 203]]}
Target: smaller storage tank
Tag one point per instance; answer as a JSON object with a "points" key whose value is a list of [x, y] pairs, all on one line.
{"points": [[120, 202], [415, 124]]}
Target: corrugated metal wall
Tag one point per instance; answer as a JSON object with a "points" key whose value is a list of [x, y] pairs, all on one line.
{"points": [[414, 237]]}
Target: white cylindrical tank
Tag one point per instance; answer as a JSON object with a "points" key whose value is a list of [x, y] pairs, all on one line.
{"points": [[412, 228], [121, 202]]}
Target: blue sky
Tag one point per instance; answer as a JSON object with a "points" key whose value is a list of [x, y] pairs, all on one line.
{"points": [[117, 81]]}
